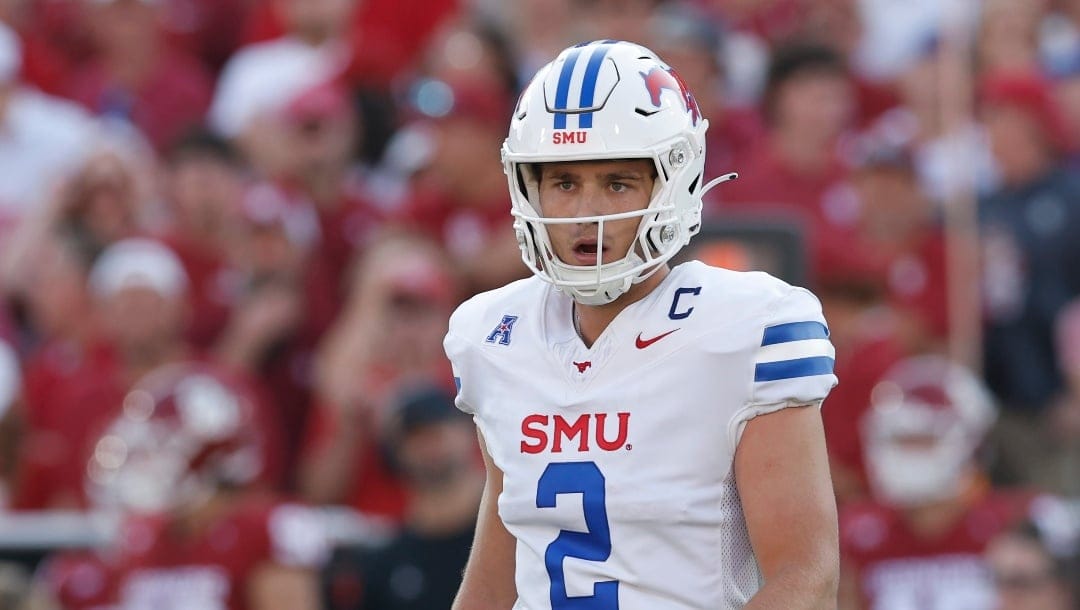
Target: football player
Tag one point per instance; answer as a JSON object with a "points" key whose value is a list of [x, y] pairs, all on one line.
{"points": [[651, 434], [183, 463], [919, 543]]}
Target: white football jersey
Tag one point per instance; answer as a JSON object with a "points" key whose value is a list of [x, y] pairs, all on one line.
{"points": [[618, 459]]}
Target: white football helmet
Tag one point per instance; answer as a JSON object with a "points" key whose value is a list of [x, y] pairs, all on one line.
{"points": [[940, 403], [608, 100]]}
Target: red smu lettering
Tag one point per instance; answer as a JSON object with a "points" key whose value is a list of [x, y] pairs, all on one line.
{"points": [[543, 431], [569, 137]]}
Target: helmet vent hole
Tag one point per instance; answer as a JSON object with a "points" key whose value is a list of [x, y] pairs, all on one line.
{"points": [[694, 184], [644, 112]]}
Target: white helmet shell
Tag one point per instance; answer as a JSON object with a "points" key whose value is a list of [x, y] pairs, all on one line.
{"points": [[608, 100]]}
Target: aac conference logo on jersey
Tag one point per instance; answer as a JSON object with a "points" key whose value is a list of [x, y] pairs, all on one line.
{"points": [[501, 333]]}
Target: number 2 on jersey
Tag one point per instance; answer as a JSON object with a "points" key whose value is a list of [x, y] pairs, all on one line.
{"points": [[591, 545]]}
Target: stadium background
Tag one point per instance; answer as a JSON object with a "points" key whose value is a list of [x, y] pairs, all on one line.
{"points": [[327, 174]]}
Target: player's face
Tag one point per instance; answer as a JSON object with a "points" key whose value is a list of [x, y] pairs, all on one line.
{"points": [[579, 189]]}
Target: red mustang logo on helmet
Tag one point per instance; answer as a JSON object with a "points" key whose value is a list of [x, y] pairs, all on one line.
{"points": [[657, 79]]}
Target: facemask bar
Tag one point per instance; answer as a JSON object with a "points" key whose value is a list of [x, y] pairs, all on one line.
{"points": [[547, 256]]}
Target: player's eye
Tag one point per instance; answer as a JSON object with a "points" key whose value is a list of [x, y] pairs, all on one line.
{"points": [[564, 185], [620, 187]]}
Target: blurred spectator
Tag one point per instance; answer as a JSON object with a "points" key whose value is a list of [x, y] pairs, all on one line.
{"points": [[1008, 36], [894, 35], [902, 243], [459, 196], [386, 36], [203, 186], [1029, 247], [261, 78], [321, 130], [693, 46], [952, 160], [1046, 452], [46, 60], [1059, 37], [539, 29], [868, 342], [771, 20], [1032, 570], [51, 287], [10, 395], [139, 289], [614, 19], [272, 331], [1066, 86], [795, 174], [205, 28], [388, 335], [434, 450], [181, 462], [474, 51], [837, 25], [104, 202], [45, 137], [137, 75], [919, 542]]}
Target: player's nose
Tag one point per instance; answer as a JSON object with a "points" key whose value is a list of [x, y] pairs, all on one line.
{"points": [[590, 202]]}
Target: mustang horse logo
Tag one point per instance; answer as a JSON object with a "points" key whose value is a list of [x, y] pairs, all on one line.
{"points": [[657, 79]]}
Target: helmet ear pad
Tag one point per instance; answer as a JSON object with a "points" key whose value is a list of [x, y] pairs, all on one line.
{"points": [[607, 100]]}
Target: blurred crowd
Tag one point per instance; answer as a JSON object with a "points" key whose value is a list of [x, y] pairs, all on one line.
{"points": [[232, 232]]}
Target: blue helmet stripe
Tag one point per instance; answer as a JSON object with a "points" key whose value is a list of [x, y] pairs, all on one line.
{"points": [[588, 89], [563, 90]]}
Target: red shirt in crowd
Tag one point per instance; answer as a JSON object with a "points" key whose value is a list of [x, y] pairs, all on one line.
{"points": [[154, 564], [172, 99], [388, 35], [822, 203], [895, 568], [71, 396], [212, 292]]}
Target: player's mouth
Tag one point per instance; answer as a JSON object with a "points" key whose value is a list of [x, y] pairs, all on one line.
{"points": [[586, 251]]}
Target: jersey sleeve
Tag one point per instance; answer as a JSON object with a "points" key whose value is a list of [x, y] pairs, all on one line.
{"points": [[457, 350], [792, 361]]}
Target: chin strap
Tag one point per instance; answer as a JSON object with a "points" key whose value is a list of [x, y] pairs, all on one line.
{"points": [[711, 183]]}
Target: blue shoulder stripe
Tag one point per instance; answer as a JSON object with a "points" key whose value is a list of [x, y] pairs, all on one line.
{"points": [[794, 331], [789, 369]]}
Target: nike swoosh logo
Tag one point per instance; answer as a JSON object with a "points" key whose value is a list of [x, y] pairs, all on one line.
{"points": [[643, 343]]}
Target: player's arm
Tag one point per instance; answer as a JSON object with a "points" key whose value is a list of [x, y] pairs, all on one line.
{"points": [[782, 474], [273, 586], [488, 583]]}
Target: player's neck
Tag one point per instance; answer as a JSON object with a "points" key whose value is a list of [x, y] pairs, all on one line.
{"points": [[590, 321]]}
